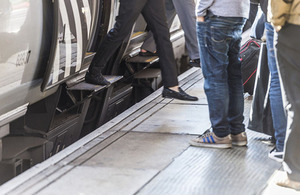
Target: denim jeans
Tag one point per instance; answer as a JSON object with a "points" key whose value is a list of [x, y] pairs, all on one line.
{"points": [[277, 110], [219, 41]]}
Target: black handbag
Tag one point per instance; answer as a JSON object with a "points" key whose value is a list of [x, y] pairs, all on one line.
{"points": [[260, 119]]}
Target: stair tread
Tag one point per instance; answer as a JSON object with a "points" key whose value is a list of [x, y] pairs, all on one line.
{"points": [[91, 87], [143, 59]]}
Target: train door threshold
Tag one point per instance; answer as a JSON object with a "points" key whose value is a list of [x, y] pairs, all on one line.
{"points": [[145, 150]]}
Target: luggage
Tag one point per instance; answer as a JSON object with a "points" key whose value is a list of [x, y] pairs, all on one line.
{"points": [[260, 119], [249, 54]]}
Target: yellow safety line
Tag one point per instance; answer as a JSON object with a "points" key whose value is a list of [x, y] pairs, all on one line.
{"points": [[136, 34]]}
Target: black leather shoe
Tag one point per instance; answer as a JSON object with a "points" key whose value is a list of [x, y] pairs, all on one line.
{"points": [[96, 79], [195, 63], [181, 95], [147, 53]]}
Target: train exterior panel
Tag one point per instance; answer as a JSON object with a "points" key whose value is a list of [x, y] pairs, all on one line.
{"points": [[73, 22], [24, 51]]}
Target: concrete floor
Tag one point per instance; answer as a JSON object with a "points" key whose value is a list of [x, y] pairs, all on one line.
{"points": [[145, 150]]}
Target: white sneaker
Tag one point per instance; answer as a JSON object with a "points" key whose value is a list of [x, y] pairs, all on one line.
{"points": [[278, 156]]}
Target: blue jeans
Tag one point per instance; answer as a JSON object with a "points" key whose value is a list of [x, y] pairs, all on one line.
{"points": [[277, 110], [219, 42]]}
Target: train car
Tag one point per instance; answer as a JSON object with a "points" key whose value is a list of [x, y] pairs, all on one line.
{"points": [[45, 49]]}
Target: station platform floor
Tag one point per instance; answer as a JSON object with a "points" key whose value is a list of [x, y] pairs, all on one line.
{"points": [[145, 150]]}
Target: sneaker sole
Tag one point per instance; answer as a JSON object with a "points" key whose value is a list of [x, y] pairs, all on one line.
{"points": [[210, 145], [275, 158], [241, 143]]}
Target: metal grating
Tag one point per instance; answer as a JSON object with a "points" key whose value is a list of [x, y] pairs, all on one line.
{"points": [[240, 170]]}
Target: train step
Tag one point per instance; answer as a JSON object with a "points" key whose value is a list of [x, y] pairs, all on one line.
{"points": [[143, 59], [137, 63], [84, 86], [148, 73]]}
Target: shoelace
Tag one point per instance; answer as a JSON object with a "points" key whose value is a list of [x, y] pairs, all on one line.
{"points": [[206, 133]]}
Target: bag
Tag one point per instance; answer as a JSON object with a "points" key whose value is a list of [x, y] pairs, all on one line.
{"points": [[260, 119], [249, 54]]}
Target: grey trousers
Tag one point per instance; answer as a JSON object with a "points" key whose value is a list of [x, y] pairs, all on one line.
{"points": [[288, 50], [186, 13]]}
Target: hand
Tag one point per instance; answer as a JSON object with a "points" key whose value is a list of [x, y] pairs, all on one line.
{"points": [[277, 28], [200, 18]]}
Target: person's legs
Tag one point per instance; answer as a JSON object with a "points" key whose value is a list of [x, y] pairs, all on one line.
{"points": [[128, 13], [288, 49], [186, 13], [235, 84], [277, 110], [154, 14], [219, 44], [222, 92], [214, 68], [149, 43]]}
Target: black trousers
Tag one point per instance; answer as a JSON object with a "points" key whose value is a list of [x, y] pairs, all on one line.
{"points": [[154, 14], [288, 50]]}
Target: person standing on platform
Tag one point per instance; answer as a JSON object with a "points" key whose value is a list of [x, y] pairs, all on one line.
{"points": [[154, 14], [275, 97], [285, 16], [219, 30], [186, 13]]}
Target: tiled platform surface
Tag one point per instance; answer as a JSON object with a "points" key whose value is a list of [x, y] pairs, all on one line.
{"points": [[145, 150]]}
